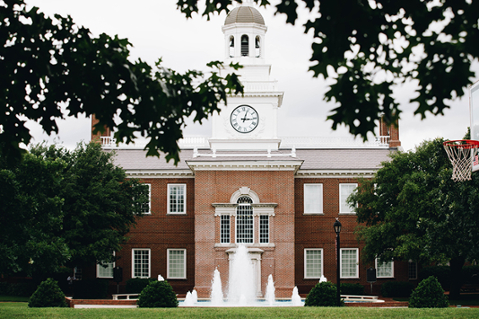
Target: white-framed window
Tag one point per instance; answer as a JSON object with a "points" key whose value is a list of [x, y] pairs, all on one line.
{"points": [[349, 263], [176, 264], [384, 269], [244, 220], [313, 263], [140, 263], [263, 229], [105, 272], [412, 270], [225, 229], [344, 191], [313, 198], [176, 198]]}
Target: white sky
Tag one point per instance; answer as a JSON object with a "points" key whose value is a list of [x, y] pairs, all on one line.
{"points": [[157, 29]]}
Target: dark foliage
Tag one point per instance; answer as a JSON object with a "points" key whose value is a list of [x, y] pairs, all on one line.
{"points": [[136, 285], [442, 274], [428, 294], [351, 289], [324, 294], [48, 294], [90, 288], [157, 294], [396, 289]]}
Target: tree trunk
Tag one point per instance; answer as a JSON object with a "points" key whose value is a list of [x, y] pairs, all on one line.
{"points": [[456, 276]]}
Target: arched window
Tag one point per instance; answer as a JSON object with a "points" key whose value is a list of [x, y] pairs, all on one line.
{"points": [[257, 46], [232, 46], [244, 220], [244, 45]]}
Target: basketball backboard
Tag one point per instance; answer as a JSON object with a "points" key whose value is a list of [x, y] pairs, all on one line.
{"points": [[474, 109]]}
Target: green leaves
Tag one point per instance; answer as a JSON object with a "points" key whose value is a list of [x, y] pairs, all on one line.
{"points": [[49, 62], [369, 48], [63, 207], [416, 211]]}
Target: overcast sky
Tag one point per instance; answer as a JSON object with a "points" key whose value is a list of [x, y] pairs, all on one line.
{"points": [[157, 29]]}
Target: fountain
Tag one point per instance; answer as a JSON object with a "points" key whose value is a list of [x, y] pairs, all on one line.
{"points": [[295, 298], [270, 298], [216, 296], [241, 283], [191, 298], [241, 287]]}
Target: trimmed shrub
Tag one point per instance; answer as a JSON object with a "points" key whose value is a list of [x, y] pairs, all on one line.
{"points": [[48, 294], [136, 285], [351, 289], [428, 294], [157, 294], [442, 274], [396, 289], [323, 295], [90, 288]]}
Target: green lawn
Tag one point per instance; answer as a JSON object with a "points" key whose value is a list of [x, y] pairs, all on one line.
{"points": [[21, 310]]}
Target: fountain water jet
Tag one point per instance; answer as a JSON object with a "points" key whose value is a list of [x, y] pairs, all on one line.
{"points": [[241, 283], [295, 298], [270, 298], [216, 296]]}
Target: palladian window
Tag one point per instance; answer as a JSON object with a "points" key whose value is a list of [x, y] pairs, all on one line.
{"points": [[244, 220]]}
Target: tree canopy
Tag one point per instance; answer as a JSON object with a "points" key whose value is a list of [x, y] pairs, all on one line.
{"points": [[64, 208], [412, 209], [369, 46], [47, 63], [366, 48]]}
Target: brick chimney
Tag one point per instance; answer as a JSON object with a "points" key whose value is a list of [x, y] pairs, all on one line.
{"points": [[392, 131], [96, 137]]}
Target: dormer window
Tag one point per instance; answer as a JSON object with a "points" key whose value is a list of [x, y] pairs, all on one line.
{"points": [[232, 46], [257, 47], [244, 45]]}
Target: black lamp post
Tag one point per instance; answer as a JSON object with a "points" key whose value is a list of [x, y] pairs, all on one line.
{"points": [[337, 230]]}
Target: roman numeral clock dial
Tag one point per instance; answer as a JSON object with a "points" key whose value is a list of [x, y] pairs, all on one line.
{"points": [[244, 119]]}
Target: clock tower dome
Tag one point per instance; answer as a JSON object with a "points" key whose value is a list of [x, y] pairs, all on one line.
{"points": [[249, 121]]}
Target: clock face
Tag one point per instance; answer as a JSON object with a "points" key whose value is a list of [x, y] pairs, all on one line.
{"points": [[244, 119]]}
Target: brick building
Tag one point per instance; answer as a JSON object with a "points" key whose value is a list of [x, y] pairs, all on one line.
{"points": [[280, 197]]}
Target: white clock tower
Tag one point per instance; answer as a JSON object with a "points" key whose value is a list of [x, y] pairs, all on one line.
{"points": [[248, 122]]}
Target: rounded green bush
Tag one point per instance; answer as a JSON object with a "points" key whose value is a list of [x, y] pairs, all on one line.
{"points": [[428, 294], [157, 294], [323, 295], [48, 294]]}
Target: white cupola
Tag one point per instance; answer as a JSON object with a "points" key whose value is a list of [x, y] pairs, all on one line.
{"points": [[244, 32], [249, 121]]}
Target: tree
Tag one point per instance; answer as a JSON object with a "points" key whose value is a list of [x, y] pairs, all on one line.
{"points": [[48, 62], [65, 208], [412, 209], [369, 47]]}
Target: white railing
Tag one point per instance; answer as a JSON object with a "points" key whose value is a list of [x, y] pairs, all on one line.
{"points": [[125, 296], [292, 142]]}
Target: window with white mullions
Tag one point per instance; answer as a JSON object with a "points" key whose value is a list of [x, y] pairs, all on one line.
{"points": [[263, 229], [141, 263], [244, 220], [225, 229], [176, 199]]}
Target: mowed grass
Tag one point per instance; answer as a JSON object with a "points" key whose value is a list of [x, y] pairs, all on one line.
{"points": [[21, 310]]}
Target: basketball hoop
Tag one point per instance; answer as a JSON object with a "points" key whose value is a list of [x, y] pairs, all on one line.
{"points": [[460, 154]]}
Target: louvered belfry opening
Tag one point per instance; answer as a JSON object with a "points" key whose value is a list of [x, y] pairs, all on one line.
{"points": [[244, 220], [244, 45]]}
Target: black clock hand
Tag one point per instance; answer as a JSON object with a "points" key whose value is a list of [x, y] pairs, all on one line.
{"points": [[244, 118]]}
